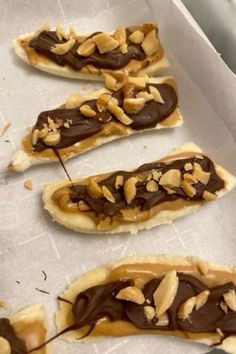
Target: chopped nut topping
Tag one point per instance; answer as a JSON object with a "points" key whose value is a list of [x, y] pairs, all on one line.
{"points": [[149, 312], [63, 48], [203, 267], [119, 181], [87, 111], [224, 306], [152, 186], [74, 100], [53, 138], [169, 190], [139, 82], [119, 113], [172, 178], [156, 175], [190, 178], [108, 195], [28, 184], [150, 43], [72, 32], [93, 189], [144, 94], [105, 43], [130, 189], [35, 136], [131, 293], [136, 37], [186, 308], [165, 293], [128, 90], [60, 33], [102, 101], [123, 48], [163, 320], [208, 196], [110, 82], [201, 299], [188, 188], [133, 105], [87, 48], [199, 174], [45, 27], [43, 133], [230, 299], [120, 35], [199, 157], [156, 94], [83, 206], [188, 166]]}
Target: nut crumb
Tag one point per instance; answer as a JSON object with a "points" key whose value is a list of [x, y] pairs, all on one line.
{"points": [[28, 184], [131, 293]]}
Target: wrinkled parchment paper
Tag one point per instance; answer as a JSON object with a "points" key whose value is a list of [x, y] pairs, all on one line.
{"points": [[29, 241]]}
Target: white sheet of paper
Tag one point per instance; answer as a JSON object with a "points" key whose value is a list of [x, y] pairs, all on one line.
{"points": [[29, 241]]}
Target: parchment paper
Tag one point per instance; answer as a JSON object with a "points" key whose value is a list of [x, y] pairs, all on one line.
{"points": [[29, 241]]}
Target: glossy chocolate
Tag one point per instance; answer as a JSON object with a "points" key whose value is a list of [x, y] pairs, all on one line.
{"points": [[114, 59], [206, 319], [83, 127], [7, 331], [143, 199]]}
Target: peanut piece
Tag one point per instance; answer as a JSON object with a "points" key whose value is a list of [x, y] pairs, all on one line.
{"points": [[188, 166], [163, 320], [149, 312], [186, 308], [188, 189], [201, 299], [136, 37], [52, 139], [171, 178], [130, 189], [83, 206], [152, 186], [28, 184], [87, 111], [120, 35], [105, 43], [230, 299], [208, 196], [5, 346], [139, 82], [110, 82], [63, 48], [102, 102], [108, 195], [94, 189], [144, 94], [131, 293], [119, 181], [35, 137], [87, 48], [156, 94], [74, 100], [133, 105], [119, 113], [150, 43], [165, 293]]}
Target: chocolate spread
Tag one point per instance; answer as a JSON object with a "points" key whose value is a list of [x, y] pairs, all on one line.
{"points": [[144, 199], [99, 301], [82, 127], [114, 59], [7, 331]]}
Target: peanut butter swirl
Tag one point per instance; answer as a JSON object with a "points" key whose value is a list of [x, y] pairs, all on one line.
{"points": [[206, 316], [149, 185], [17, 345]]}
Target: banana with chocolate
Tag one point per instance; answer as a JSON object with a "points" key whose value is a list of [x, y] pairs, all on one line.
{"points": [[126, 106], [131, 50], [128, 201], [169, 295], [24, 331]]}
